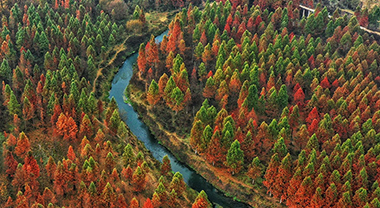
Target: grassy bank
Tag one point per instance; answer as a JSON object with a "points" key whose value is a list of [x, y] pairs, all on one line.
{"points": [[233, 186]]}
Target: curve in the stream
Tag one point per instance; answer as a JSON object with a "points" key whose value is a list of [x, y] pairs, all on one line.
{"points": [[130, 117]]}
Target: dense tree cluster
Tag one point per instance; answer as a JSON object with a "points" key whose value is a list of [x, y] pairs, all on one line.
{"points": [[119, 8], [284, 99]]}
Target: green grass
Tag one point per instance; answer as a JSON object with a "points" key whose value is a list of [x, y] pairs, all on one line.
{"points": [[126, 93]]}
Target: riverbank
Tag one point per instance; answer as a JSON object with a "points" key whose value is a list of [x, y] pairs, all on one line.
{"points": [[129, 45], [180, 147], [188, 196], [102, 85], [139, 129]]}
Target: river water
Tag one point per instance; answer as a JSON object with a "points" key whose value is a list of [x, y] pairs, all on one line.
{"points": [[130, 117]]}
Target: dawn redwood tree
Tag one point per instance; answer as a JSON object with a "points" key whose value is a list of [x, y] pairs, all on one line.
{"points": [[207, 54], [19, 178], [121, 201], [196, 135], [201, 201], [23, 145], [10, 164], [169, 60], [214, 150], [122, 130], [13, 105], [166, 166], [172, 198], [280, 148], [235, 83], [271, 172], [178, 184], [362, 180], [182, 47], [255, 170], [235, 157], [203, 38], [162, 195], [345, 200], [243, 93], [27, 110], [21, 200], [127, 173], [31, 167], [210, 88], [282, 178], [99, 137], [50, 167], [170, 86], [206, 138], [156, 200], [59, 180], [360, 198], [331, 195], [61, 125], [252, 97], [134, 203], [108, 196], [248, 146], [294, 185], [282, 97], [152, 53], [128, 155], [114, 122], [153, 95], [299, 96], [148, 204], [85, 128], [109, 162], [48, 196], [375, 203], [162, 84], [71, 154], [227, 137], [182, 78], [72, 129], [317, 199], [312, 143], [177, 98], [305, 192], [313, 127]]}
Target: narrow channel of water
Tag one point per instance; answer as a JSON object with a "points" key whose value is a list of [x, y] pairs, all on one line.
{"points": [[130, 117]]}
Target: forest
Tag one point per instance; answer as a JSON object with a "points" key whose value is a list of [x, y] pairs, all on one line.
{"points": [[276, 104], [63, 142], [271, 107]]}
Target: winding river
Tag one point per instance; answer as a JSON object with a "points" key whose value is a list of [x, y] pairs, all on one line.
{"points": [[130, 117]]}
